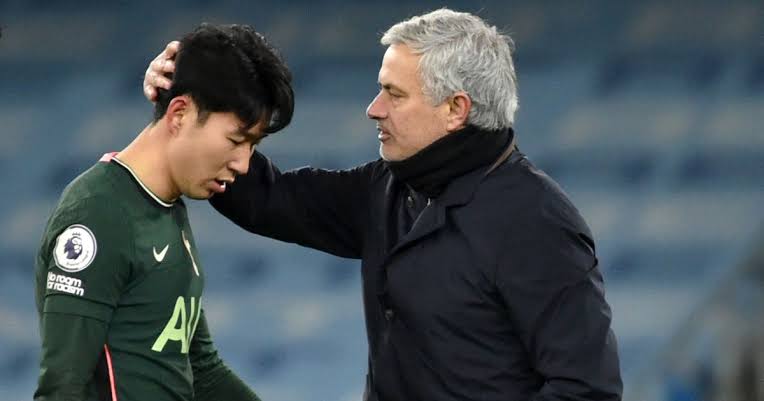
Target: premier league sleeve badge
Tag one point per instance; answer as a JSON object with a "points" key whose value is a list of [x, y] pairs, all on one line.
{"points": [[75, 248]]}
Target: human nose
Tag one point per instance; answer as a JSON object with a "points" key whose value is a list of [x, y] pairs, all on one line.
{"points": [[240, 162], [376, 109]]}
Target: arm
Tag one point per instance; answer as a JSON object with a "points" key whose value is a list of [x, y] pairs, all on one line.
{"points": [[76, 306], [213, 380], [71, 348], [555, 296], [322, 209], [576, 351]]}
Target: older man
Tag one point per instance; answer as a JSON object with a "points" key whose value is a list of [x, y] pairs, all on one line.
{"points": [[479, 275]]}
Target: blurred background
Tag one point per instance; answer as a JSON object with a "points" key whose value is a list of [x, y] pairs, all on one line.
{"points": [[649, 114]]}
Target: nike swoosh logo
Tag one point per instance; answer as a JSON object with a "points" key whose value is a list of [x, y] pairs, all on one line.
{"points": [[160, 256]]}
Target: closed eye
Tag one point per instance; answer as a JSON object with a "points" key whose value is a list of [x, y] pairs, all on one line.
{"points": [[393, 91]]}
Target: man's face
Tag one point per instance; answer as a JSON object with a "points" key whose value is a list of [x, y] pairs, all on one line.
{"points": [[205, 155], [406, 122]]}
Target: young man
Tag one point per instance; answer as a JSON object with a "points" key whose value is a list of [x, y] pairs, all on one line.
{"points": [[118, 280]]}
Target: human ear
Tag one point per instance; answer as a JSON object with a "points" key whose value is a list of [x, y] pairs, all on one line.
{"points": [[177, 113], [459, 106]]}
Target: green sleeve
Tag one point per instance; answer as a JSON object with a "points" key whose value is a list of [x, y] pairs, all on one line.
{"points": [[88, 256], [84, 265], [213, 380], [71, 348]]}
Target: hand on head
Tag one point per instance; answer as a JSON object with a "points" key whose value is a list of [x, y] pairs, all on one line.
{"points": [[162, 64]]}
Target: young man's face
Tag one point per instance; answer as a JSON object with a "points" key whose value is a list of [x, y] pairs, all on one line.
{"points": [[204, 156], [406, 121]]}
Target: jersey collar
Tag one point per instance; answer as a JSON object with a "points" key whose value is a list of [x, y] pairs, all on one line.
{"points": [[138, 180]]}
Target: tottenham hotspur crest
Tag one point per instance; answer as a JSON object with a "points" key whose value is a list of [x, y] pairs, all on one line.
{"points": [[75, 248]]}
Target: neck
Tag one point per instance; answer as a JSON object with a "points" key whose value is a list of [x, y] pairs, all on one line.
{"points": [[145, 157]]}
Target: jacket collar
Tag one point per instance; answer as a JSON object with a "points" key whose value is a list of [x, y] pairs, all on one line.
{"points": [[458, 192], [461, 190], [432, 169]]}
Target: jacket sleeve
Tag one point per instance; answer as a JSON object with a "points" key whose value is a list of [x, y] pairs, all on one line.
{"points": [[321, 209], [554, 292], [213, 380], [71, 348]]}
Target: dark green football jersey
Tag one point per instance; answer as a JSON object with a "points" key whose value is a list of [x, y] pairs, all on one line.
{"points": [[114, 252]]}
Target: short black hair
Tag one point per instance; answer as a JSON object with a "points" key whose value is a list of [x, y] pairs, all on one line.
{"points": [[231, 68]]}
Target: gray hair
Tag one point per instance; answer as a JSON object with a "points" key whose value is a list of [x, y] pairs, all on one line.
{"points": [[460, 52]]}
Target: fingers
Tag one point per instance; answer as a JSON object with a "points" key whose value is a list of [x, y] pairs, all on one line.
{"points": [[159, 81], [167, 57], [150, 93], [168, 65], [162, 64], [172, 49], [152, 81], [155, 67], [155, 80]]}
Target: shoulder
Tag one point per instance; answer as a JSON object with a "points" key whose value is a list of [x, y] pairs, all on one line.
{"points": [[99, 182], [90, 224], [529, 196], [91, 198], [537, 227]]}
